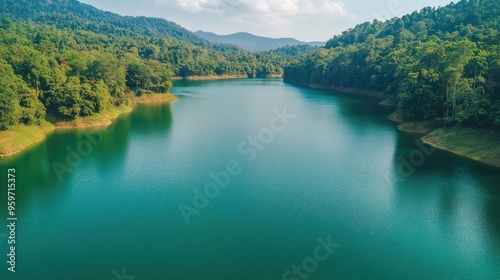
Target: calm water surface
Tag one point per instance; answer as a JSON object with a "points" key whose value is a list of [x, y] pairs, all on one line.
{"points": [[332, 171]]}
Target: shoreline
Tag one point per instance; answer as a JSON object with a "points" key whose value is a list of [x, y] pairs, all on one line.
{"points": [[475, 143], [20, 138], [210, 77], [353, 91], [415, 127], [155, 98], [222, 77], [461, 142], [347, 90], [465, 142]]}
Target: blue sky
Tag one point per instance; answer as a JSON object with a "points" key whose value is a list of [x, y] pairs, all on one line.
{"points": [[307, 20]]}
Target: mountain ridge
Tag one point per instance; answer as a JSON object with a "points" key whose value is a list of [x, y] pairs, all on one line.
{"points": [[59, 12], [254, 43]]}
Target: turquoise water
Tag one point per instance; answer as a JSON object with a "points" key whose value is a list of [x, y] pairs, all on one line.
{"points": [[322, 168]]}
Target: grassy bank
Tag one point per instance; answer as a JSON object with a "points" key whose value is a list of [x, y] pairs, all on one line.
{"points": [[19, 138], [481, 144], [155, 98], [102, 119], [211, 77], [421, 127], [221, 77]]}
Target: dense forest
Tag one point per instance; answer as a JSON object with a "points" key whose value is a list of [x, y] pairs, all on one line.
{"points": [[442, 64], [68, 59]]}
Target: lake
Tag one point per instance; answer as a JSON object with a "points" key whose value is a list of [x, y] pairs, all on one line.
{"points": [[250, 179]]}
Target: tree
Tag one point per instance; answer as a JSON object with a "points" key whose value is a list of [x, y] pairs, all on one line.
{"points": [[10, 110]]}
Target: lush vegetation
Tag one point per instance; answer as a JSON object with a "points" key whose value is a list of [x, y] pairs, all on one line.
{"points": [[71, 14], [65, 59], [442, 64], [68, 73]]}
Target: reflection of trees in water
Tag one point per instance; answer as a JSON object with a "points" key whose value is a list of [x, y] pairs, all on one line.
{"points": [[361, 111], [491, 208], [35, 166], [444, 197], [33, 174], [152, 118]]}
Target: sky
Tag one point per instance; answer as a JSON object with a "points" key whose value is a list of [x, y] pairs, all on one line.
{"points": [[306, 20]]}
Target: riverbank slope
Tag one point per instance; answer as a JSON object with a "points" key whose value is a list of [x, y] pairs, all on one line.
{"points": [[476, 143], [480, 144], [222, 77], [19, 138], [346, 90]]}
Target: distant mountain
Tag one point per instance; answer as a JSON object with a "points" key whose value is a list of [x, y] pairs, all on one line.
{"points": [[252, 42]]}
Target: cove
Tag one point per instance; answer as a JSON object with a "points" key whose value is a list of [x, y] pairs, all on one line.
{"points": [[329, 179]]}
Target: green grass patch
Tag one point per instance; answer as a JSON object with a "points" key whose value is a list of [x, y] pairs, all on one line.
{"points": [[422, 128], [102, 119], [154, 98], [18, 138], [481, 144]]}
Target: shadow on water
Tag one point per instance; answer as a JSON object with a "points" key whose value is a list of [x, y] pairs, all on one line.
{"points": [[152, 119], [441, 190], [50, 167], [449, 187], [177, 84], [361, 109], [124, 207]]}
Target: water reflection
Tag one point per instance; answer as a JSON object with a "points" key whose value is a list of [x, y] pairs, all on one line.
{"points": [[450, 191], [323, 175], [152, 118], [71, 152]]}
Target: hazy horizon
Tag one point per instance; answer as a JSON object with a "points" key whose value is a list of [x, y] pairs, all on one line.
{"points": [[304, 20]]}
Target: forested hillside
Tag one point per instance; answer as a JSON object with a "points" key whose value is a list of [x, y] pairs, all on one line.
{"points": [[75, 15], [69, 73], [441, 63], [254, 43], [69, 59]]}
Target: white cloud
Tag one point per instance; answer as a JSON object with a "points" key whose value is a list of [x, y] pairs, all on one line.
{"points": [[335, 8], [289, 6], [326, 8], [272, 18], [278, 7]]}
